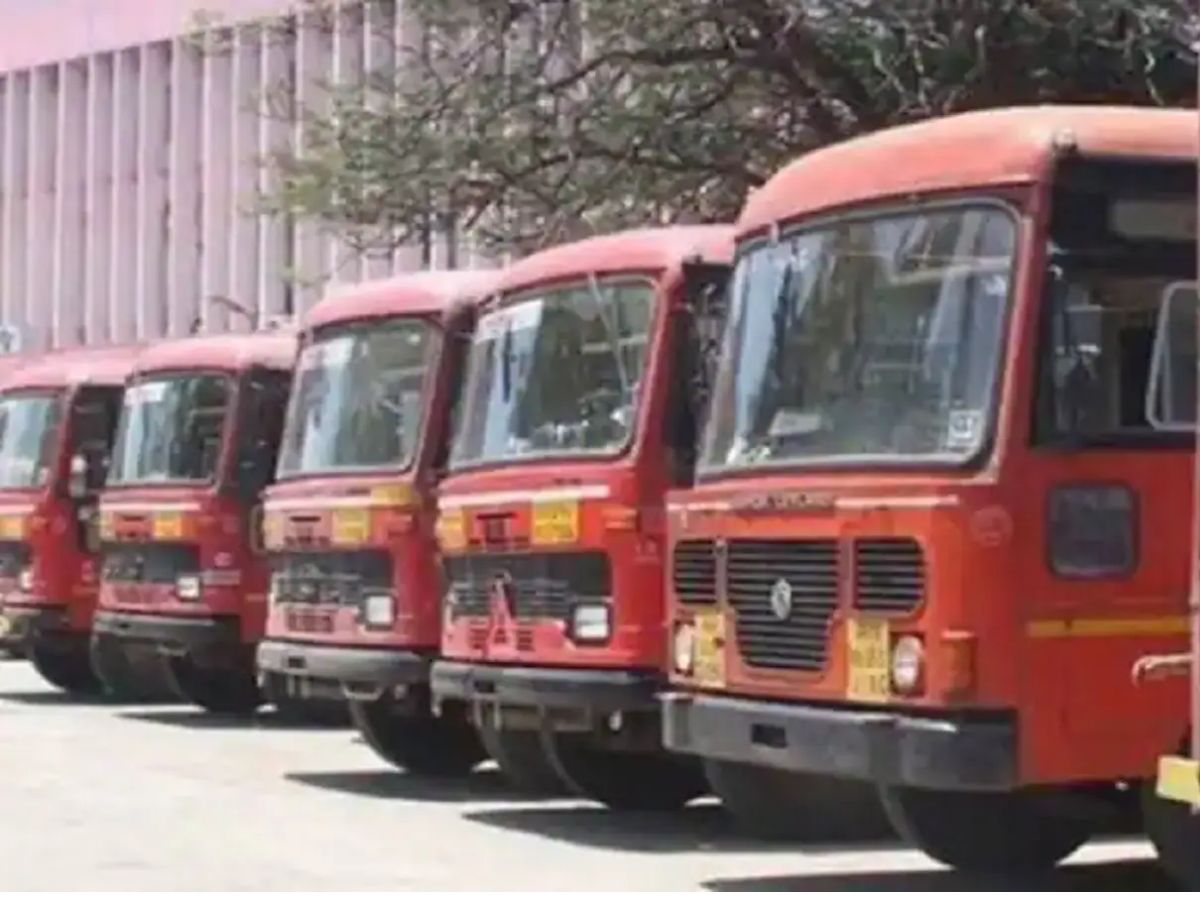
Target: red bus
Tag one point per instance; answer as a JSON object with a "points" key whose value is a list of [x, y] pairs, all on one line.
{"points": [[576, 417], [58, 415], [356, 589], [934, 526], [184, 576]]}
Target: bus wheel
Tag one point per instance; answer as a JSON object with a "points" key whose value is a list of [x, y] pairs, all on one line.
{"points": [[137, 678], [417, 742], [68, 668], [522, 759], [626, 780], [1174, 830], [1017, 831], [779, 805], [228, 691]]}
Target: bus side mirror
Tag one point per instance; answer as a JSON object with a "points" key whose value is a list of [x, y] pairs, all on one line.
{"points": [[1171, 388]]}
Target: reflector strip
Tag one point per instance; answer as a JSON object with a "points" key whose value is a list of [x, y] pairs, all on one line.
{"points": [[1148, 625]]}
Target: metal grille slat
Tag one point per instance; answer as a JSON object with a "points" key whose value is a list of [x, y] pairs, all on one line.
{"points": [[889, 574], [694, 572], [543, 585], [798, 639]]}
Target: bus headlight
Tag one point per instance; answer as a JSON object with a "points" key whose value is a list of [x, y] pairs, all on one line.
{"points": [[908, 661], [379, 611], [683, 649], [591, 623], [25, 580], [187, 587]]}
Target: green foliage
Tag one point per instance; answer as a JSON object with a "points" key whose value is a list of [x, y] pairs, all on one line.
{"points": [[530, 121]]}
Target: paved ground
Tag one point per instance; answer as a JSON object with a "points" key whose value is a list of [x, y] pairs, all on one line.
{"points": [[116, 797]]}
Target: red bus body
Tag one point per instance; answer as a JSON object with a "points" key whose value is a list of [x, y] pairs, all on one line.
{"points": [[50, 579], [317, 637], [507, 640], [1024, 673], [157, 534]]}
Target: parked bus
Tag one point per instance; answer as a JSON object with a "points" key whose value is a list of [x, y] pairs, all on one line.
{"points": [[356, 589], [576, 417], [933, 526], [58, 414], [184, 575]]}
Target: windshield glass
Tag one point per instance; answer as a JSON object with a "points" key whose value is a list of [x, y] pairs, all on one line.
{"points": [[359, 399], [556, 374], [28, 427], [171, 429], [876, 338]]}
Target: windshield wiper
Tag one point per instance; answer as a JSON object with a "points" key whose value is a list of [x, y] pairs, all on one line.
{"points": [[609, 327]]}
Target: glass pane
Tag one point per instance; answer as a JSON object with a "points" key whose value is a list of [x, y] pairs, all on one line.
{"points": [[171, 429], [28, 429]]}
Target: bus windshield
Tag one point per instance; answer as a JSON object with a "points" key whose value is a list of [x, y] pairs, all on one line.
{"points": [[359, 399], [28, 428], [870, 339], [171, 429], [556, 374]]}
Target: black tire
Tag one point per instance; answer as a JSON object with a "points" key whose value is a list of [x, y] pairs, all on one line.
{"points": [[990, 833], [228, 691], [419, 743], [141, 677], [779, 805], [523, 760], [1175, 832], [639, 781], [68, 668]]}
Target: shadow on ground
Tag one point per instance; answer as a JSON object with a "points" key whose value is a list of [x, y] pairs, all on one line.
{"points": [[702, 826], [201, 720], [52, 697], [483, 784], [1122, 875]]}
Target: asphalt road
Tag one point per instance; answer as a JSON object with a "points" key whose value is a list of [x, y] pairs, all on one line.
{"points": [[104, 797]]}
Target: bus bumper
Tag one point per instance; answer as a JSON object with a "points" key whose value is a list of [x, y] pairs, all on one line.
{"points": [[593, 690], [204, 639], [373, 666], [884, 746]]}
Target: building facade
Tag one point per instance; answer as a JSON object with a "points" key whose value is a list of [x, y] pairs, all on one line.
{"points": [[131, 149]]}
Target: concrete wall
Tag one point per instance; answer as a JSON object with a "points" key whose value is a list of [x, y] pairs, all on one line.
{"points": [[130, 160]]}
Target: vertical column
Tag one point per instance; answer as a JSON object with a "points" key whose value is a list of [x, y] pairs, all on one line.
{"points": [[277, 56], [154, 139], [98, 201], [69, 264], [215, 177], [379, 68], [345, 262], [16, 157], [184, 188], [122, 292], [311, 245], [243, 233], [408, 41], [39, 252]]}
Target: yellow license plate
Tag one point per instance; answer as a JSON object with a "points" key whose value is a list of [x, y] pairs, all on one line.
{"points": [[351, 526], [168, 526], [869, 648], [708, 666], [556, 522], [451, 530], [12, 528]]}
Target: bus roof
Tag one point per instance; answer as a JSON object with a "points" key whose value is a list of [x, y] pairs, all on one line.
{"points": [[640, 250], [970, 150], [73, 366], [414, 293], [228, 352]]}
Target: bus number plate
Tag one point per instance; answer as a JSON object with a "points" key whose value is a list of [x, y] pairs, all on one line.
{"points": [[709, 665], [556, 522], [868, 648], [351, 526]]}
